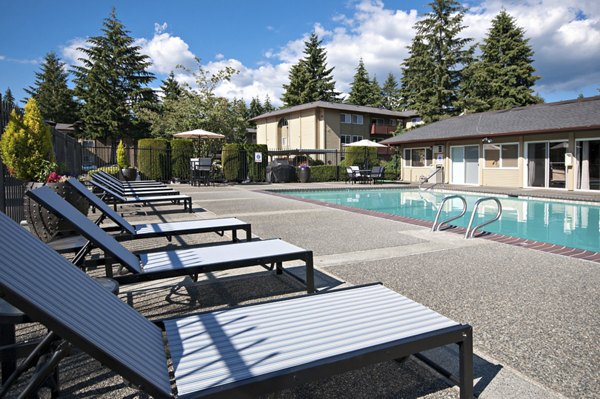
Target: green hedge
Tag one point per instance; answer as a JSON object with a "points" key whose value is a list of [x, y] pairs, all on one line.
{"points": [[152, 158], [355, 156], [233, 162], [257, 172], [181, 152], [323, 173], [111, 169]]}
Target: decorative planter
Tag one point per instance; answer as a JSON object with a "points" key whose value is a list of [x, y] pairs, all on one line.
{"points": [[42, 222], [304, 175], [129, 174]]}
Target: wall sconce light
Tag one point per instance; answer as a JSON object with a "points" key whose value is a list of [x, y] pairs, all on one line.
{"points": [[486, 140]]}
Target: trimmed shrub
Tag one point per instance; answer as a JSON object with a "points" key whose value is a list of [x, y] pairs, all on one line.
{"points": [[112, 169], [257, 172], [122, 158], [26, 145], [355, 156], [181, 152], [153, 161], [323, 173], [233, 161]]}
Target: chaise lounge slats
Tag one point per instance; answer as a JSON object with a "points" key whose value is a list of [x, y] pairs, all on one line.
{"points": [[210, 350], [48, 288], [176, 227], [154, 262]]}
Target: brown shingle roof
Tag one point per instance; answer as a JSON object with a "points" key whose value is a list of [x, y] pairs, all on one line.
{"points": [[580, 114]]}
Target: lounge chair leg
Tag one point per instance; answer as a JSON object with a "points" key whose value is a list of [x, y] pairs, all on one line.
{"points": [[310, 274], [234, 235], [279, 269], [465, 348], [249, 234], [170, 238]]}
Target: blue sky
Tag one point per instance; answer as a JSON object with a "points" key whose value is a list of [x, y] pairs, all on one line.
{"points": [[263, 38]]}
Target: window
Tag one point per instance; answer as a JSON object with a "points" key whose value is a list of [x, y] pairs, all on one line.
{"points": [[283, 122], [356, 138], [345, 118], [284, 142], [378, 121], [345, 139], [501, 155], [392, 122], [357, 119], [418, 157]]}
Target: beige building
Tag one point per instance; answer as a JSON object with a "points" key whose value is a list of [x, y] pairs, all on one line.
{"points": [[323, 125], [554, 145]]}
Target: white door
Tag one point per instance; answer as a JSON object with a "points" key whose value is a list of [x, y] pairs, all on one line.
{"points": [[457, 155], [472, 164]]}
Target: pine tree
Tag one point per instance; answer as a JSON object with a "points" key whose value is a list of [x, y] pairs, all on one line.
{"points": [[506, 66], [171, 89], [9, 100], [375, 94], [112, 83], [51, 92], [390, 93], [432, 72], [310, 79], [255, 108], [360, 88], [267, 106]]}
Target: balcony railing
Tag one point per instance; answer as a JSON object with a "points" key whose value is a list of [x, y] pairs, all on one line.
{"points": [[382, 129]]}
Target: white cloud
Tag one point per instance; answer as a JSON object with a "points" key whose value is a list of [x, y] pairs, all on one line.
{"points": [[2, 57], [167, 52], [72, 54]]}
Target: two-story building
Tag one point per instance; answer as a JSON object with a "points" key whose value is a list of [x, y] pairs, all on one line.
{"points": [[323, 125], [551, 146]]}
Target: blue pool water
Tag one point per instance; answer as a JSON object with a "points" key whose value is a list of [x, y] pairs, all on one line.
{"points": [[570, 224]]}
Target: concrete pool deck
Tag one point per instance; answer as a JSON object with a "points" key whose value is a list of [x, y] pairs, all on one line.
{"points": [[535, 315]]}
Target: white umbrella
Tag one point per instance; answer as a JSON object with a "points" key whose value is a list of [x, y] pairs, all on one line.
{"points": [[365, 143], [199, 134]]}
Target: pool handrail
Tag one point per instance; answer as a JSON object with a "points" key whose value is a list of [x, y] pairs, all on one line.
{"points": [[436, 226], [470, 233]]}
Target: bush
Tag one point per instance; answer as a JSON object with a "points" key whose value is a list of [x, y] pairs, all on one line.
{"points": [[26, 145], [153, 161], [181, 152], [232, 160], [257, 172], [122, 158], [111, 169], [323, 173], [355, 156]]}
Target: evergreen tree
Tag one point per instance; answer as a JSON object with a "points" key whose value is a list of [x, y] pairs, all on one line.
{"points": [[267, 106], [53, 96], [255, 108], [310, 79], [360, 88], [375, 94], [505, 67], [171, 89], [9, 100], [112, 83], [432, 72], [390, 93]]}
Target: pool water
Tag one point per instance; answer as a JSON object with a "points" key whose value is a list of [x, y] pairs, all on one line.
{"points": [[573, 225]]}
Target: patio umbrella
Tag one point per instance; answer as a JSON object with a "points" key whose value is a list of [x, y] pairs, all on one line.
{"points": [[366, 144], [199, 134]]}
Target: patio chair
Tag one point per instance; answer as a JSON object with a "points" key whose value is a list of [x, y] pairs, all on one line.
{"points": [[115, 198], [129, 184], [138, 191], [243, 351], [126, 231], [352, 175], [200, 171], [377, 174], [148, 266]]}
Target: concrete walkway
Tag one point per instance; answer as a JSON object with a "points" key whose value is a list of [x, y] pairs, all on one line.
{"points": [[535, 315]]}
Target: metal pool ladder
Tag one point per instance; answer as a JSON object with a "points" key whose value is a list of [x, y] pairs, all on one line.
{"points": [[436, 226], [471, 231]]}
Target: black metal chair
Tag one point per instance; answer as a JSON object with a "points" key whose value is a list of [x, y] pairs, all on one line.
{"points": [[377, 174]]}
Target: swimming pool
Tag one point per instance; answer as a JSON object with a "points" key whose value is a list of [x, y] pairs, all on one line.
{"points": [[572, 225]]}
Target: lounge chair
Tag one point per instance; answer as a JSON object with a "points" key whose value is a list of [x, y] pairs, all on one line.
{"points": [[117, 198], [129, 184], [137, 191], [126, 231], [244, 351], [180, 262], [377, 174]]}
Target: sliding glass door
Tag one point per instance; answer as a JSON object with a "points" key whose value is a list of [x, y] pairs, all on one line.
{"points": [[587, 165], [546, 164]]}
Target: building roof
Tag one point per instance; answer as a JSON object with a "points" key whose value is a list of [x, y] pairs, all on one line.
{"points": [[572, 115], [337, 106]]}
